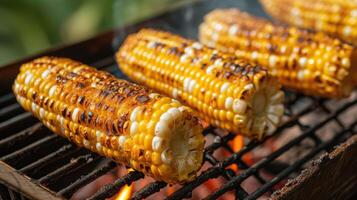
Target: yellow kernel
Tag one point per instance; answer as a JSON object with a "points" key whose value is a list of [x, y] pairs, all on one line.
{"points": [[135, 139], [165, 170], [229, 116], [165, 107], [148, 141], [142, 126], [216, 113], [222, 115], [147, 156], [154, 171], [221, 100], [156, 158], [135, 152], [134, 164]]}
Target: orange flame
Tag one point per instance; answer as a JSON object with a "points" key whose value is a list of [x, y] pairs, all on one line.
{"points": [[170, 190], [125, 192], [236, 144]]}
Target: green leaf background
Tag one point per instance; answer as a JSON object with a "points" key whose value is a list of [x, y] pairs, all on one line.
{"points": [[30, 26]]}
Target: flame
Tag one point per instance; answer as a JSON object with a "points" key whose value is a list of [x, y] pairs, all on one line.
{"points": [[125, 192], [170, 190], [236, 144]]}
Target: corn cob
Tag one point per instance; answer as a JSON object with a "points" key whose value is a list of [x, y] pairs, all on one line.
{"points": [[120, 120], [312, 63], [225, 91], [336, 17]]}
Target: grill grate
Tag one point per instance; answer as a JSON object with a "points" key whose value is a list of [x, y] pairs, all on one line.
{"points": [[54, 163], [60, 168]]}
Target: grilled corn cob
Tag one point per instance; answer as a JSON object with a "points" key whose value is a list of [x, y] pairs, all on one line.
{"points": [[336, 17], [120, 120], [312, 63], [226, 92]]}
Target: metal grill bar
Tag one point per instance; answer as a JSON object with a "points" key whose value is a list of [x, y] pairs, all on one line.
{"points": [[47, 159], [10, 111], [299, 163], [55, 175], [16, 157], [111, 189], [12, 125], [5, 100], [148, 190], [15, 140], [230, 185], [109, 165]]}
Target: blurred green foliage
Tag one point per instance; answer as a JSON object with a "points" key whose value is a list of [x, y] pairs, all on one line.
{"points": [[29, 26]]}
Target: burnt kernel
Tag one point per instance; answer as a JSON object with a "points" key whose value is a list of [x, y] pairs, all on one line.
{"points": [[119, 98], [34, 95], [256, 69], [184, 44], [141, 152], [77, 131], [142, 98], [81, 100], [227, 75], [173, 50], [108, 127], [214, 57], [61, 79], [64, 112], [300, 39], [132, 93], [81, 85], [113, 88], [108, 143], [105, 93], [51, 104], [318, 79], [89, 116], [105, 107], [83, 116], [244, 72], [244, 94], [127, 90], [72, 74], [45, 102], [203, 65], [85, 134], [99, 105], [115, 128]]}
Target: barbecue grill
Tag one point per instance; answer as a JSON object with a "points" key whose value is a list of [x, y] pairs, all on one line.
{"points": [[37, 164]]}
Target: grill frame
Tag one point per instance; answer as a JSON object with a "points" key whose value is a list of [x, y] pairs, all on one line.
{"points": [[98, 52]]}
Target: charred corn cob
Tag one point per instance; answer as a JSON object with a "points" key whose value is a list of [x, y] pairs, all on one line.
{"points": [[336, 17], [120, 120], [226, 92], [312, 63]]}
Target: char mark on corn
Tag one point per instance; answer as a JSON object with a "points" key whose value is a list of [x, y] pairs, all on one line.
{"points": [[335, 17], [310, 62], [226, 92], [120, 120]]}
